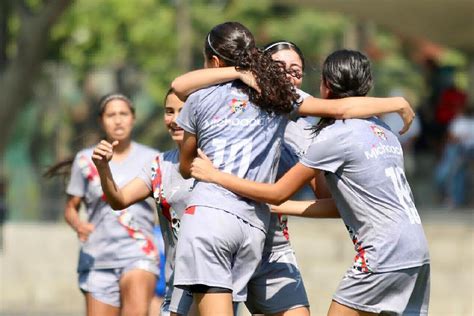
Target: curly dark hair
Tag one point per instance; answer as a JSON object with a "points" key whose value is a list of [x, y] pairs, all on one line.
{"points": [[346, 73], [234, 45]]}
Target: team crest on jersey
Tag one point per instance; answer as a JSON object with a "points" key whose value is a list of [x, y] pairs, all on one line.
{"points": [[238, 106], [378, 132]]}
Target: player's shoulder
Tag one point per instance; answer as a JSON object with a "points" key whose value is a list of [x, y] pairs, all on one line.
{"points": [[334, 129], [336, 134], [377, 127], [357, 125], [170, 155], [206, 92], [145, 149], [303, 95], [85, 153]]}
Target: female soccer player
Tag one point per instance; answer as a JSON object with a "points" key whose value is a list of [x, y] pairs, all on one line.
{"points": [[277, 286], [362, 161], [118, 259], [222, 236], [160, 178]]}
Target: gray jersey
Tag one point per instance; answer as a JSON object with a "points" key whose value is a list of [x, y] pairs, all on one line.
{"points": [[297, 138], [119, 237], [363, 164], [239, 138], [171, 193]]}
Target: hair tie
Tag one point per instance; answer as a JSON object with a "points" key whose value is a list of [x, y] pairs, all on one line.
{"points": [[276, 44], [115, 96], [215, 51]]}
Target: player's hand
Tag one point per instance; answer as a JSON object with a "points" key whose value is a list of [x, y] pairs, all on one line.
{"points": [[103, 152], [408, 115], [249, 79], [84, 230], [202, 168]]}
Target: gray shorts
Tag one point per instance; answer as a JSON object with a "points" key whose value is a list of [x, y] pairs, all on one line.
{"points": [[402, 292], [180, 302], [217, 249], [104, 284], [277, 285]]}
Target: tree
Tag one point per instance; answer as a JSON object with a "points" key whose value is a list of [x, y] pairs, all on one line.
{"points": [[22, 50]]}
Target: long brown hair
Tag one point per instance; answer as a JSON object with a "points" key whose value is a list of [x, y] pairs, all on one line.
{"points": [[235, 46]]}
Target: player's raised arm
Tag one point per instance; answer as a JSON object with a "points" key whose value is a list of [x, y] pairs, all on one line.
{"points": [[118, 198], [191, 81], [358, 107]]}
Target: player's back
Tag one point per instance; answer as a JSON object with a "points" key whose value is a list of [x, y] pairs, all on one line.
{"points": [[367, 180], [239, 138]]}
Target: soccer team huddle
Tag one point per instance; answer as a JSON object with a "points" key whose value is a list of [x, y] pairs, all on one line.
{"points": [[247, 139]]}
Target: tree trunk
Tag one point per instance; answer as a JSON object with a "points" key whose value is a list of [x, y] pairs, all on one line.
{"points": [[184, 34], [19, 73]]}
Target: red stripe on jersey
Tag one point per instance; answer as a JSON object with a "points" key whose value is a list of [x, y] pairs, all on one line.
{"points": [[156, 184], [190, 210], [283, 219]]}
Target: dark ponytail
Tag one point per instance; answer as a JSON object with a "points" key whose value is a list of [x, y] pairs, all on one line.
{"points": [[346, 73], [61, 168], [235, 46]]}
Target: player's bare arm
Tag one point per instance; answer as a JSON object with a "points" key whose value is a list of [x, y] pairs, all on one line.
{"points": [[358, 107], [189, 82], [202, 169], [187, 153], [118, 198], [323, 208]]}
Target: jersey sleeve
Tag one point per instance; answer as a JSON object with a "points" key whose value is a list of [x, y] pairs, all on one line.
{"points": [[303, 95], [145, 173], [187, 118], [328, 151], [77, 185]]}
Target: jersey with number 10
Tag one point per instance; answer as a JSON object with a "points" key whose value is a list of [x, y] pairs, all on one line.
{"points": [[239, 138], [363, 164]]}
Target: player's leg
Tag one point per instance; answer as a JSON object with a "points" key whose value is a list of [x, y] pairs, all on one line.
{"points": [[101, 291], [214, 303], [155, 305], [277, 287], [137, 285], [211, 246], [97, 308], [337, 309]]}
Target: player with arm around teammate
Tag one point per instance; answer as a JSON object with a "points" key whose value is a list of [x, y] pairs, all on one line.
{"points": [[362, 162]]}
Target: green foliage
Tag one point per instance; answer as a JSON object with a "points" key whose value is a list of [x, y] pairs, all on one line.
{"points": [[110, 35]]}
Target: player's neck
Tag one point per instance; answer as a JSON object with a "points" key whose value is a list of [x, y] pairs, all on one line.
{"points": [[122, 150]]}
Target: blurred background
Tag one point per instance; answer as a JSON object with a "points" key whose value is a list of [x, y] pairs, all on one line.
{"points": [[58, 57]]}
